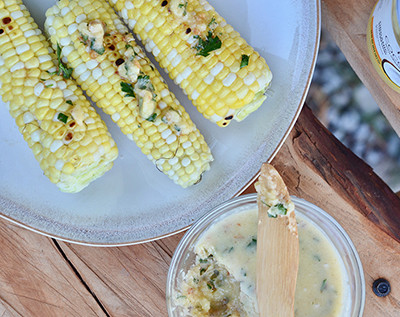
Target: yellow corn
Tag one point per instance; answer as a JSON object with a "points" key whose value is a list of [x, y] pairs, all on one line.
{"points": [[160, 126], [44, 106], [227, 84]]}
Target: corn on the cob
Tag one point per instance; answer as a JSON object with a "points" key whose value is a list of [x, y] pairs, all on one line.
{"points": [[67, 137], [222, 75], [117, 75]]}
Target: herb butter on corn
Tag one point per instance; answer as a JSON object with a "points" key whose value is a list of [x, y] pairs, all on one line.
{"points": [[66, 135], [116, 74], [221, 74]]}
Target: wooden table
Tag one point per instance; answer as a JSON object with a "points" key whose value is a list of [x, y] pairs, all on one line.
{"points": [[40, 276]]}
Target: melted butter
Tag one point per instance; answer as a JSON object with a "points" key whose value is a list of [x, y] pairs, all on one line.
{"points": [[320, 285]]}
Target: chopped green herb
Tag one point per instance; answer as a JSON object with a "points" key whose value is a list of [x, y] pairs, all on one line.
{"points": [[143, 82], [49, 85], [278, 209], [62, 117], [128, 46], [212, 22], [203, 260], [245, 61], [282, 209], [126, 87], [204, 47], [66, 72], [323, 286], [62, 69], [69, 102], [178, 129], [252, 243], [183, 5], [195, 280], [42, 79], [210, 285], [202, 270], [228, 250], [152, 118], [100, 50], [180, 296]]}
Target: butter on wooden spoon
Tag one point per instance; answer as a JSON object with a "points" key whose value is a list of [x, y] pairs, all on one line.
{"points": [[277, 246]]}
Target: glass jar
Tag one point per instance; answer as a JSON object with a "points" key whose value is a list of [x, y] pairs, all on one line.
{"points": [[184, 256], [383, 41]]}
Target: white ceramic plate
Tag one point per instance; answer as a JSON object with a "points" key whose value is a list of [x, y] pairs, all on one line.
{"points": [[134, 202]]}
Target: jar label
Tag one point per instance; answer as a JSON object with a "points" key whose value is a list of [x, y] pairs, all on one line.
{"points": [[385, 47]]}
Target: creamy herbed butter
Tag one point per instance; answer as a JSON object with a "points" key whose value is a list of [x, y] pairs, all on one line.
{"points": [[226, 261]]}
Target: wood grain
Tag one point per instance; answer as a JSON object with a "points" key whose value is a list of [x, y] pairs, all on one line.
{"points": [[346, 21], [35, 280], [129, 281]]}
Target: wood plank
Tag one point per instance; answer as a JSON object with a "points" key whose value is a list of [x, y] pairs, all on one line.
{"points": [[346, 21], [35, 279], [130, 281]]}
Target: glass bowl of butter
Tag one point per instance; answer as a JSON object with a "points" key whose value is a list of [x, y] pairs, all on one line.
{"points": [[212, 272]]}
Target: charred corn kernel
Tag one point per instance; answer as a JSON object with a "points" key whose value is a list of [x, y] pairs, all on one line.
{"points": [[201, 53], [38, 103], [117, 75]]}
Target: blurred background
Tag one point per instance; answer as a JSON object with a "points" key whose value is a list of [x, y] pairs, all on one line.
{"points": [[343, 104]]}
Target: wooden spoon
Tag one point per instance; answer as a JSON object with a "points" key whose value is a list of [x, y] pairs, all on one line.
{"points": [[277, 246]]}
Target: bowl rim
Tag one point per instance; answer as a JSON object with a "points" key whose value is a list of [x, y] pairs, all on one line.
{"points": [[217, 212]]}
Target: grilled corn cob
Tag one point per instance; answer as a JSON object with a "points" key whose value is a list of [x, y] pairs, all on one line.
{"points": [[67, 137], [117, 75], [221, 74]]}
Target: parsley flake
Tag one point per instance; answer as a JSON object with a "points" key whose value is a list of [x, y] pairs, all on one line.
{"points": [[62, 117], [69, 102], [323, 286], [62, 68], [212, 22], [184, 7], [99, 50], [204, 47], [245, 61], [143, 82], [152, 118], [252, 243], [278, 209], [126, 87]]}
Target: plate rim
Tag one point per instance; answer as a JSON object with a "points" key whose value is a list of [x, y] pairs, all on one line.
{"points": [[239, 192]]}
